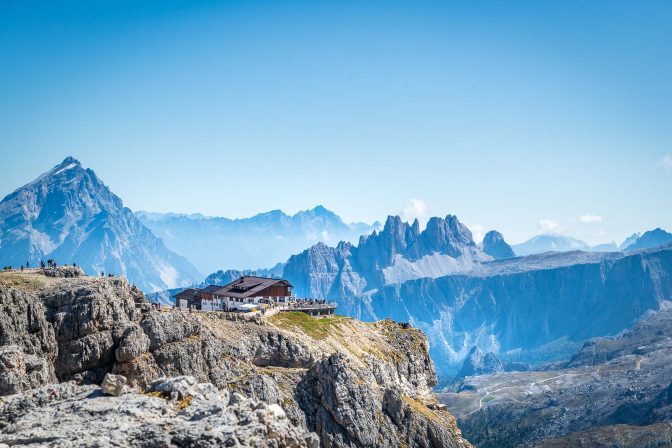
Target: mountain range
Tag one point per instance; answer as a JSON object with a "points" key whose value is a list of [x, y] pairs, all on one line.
{"points": [[399, 252], [563, 243], [213, 243], [69, 215], [462, 294], [527, 309]]}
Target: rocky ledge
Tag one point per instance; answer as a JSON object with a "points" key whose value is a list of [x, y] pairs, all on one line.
{"points": [[347, 383], [71, 415]]}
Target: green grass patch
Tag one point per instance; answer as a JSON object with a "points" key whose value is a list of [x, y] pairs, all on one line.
{"points": [[315, 327]]}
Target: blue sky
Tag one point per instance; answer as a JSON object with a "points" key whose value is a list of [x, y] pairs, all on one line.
{"points": [[519, 116]]}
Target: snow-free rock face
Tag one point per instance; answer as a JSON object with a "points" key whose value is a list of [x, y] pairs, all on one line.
{"points": [[614, 392], [351, 383], [652, 238], [70, 415], [69, 215], [479, 363], [398, 253], [527, 309], [495, 246]]}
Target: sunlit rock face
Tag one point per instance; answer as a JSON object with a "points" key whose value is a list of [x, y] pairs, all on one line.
{"points": [[525, 309], [68, 214], [346, 382]]}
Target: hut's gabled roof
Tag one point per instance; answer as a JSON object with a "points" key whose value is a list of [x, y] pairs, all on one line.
{"points": [[249, 286], [188, 294]]}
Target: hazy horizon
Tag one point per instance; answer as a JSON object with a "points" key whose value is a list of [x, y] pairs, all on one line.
{"points": [[520, 117]]}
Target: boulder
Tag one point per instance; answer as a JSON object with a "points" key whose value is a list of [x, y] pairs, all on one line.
{"points": [[114, 385]]}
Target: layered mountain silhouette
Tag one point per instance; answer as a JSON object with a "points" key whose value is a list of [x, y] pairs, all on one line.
{"points": [[549, 243], [69, 215], [266, 239], [528, 309], [562, 243]]}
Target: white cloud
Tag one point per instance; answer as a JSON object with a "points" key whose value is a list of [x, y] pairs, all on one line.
{"points": [[477, 231], [551, 226], [588, 219], [667, 161], [415, 209]]}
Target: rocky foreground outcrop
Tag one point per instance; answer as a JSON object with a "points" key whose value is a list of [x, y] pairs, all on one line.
{"points": [[349, 383], [197, 415]]}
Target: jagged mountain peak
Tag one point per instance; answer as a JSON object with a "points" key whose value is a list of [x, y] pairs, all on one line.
{"points": [[398, 252], [69, 214], [495, 246], [69, 160]]}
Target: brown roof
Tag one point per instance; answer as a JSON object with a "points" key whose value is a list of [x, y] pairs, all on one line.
{"points": [[249, 286], [188, 294], [211, 289]]}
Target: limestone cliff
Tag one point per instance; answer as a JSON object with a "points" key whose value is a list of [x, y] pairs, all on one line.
{"points": [[352, 383]]}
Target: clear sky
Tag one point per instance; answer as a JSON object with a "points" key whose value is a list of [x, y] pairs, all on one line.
{"points": [[519, 116]]}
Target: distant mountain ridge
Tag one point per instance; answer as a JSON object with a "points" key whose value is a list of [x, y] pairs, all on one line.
{"points": [[563, 243], [68, 214], [549, 243], [265, 239], [652, 238]]}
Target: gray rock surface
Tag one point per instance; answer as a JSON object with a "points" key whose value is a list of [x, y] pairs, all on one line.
{"points": [[495, 246], [115, 385], [68, 415], [614, 392], [531, 309], [479, 363], [347, 270], [328, 376], [652, 238]]}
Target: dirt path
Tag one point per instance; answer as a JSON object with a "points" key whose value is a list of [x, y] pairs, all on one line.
{"points": [[528, 386]]}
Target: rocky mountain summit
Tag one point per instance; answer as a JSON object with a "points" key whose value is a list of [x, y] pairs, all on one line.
{"points": [[68, 214], [398, 253], [614, 392], [349, 383], [495, 246], [528, 310]]}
